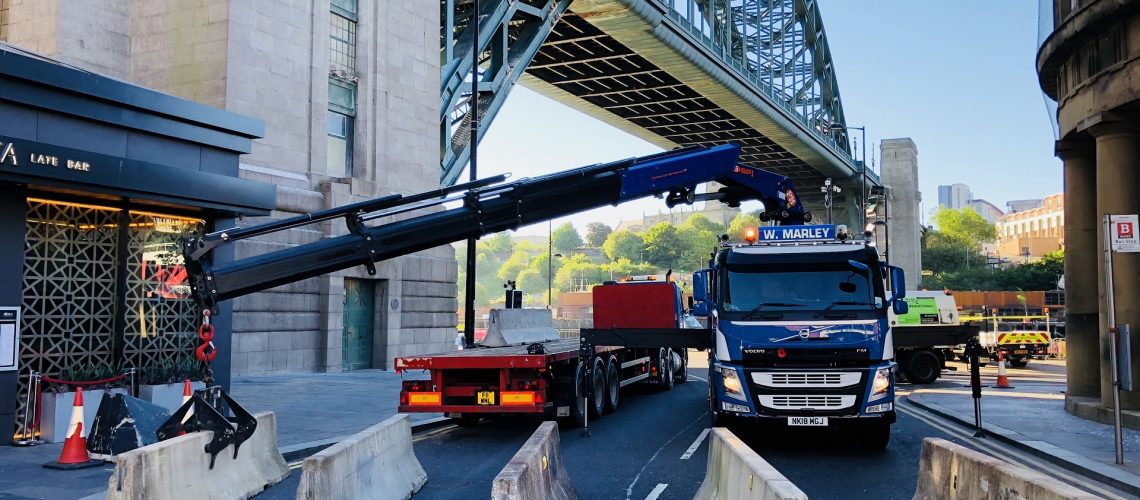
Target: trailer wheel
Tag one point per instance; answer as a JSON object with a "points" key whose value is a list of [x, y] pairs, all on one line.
{"points": [[613, 384], [578, 405], [467, 419], [923, 368], [598, 405], [665, 369], [682, 374]]}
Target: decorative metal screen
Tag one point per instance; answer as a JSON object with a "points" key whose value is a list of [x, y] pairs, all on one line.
{"points": [[161, 319], [72, 283], [69, 289]]}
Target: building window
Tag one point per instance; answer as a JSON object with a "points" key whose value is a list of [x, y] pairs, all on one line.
{"points": [[340, 144], [342, 86]]}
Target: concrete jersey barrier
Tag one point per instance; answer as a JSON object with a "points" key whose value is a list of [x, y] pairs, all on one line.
{"points": [[536, 471], [376, 463], [736, 472], [180, 468], [518, 326], [950, 471]]}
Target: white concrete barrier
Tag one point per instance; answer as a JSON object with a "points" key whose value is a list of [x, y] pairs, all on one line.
{"points": [[179, 468], [518, 326], [950, 471], [536, 471], [376, 463], [736, 472]]}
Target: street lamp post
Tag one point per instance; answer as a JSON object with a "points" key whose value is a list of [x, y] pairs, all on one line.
{"points": [[862, 162]]}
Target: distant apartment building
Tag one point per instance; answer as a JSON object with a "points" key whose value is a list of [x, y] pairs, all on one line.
{"points": [[990, 212], [1023, 205], [954, 196], [1027, 235]]}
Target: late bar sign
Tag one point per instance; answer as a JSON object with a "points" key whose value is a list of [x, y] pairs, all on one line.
{"points": [[10, 156]]}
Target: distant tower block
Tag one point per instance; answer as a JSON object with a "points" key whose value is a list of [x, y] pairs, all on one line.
{"points": [[900, 176]]}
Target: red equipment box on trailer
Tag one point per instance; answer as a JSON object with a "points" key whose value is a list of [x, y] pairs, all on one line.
{"points": [[637, 304]]}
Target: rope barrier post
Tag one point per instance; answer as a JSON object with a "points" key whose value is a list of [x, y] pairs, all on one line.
{"points": [[31, 404]]}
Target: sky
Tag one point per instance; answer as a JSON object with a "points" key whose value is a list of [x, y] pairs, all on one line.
{"points": [[958, 78]]}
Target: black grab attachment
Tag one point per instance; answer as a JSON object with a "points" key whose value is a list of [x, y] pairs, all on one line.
{"points": [[211, 405]]}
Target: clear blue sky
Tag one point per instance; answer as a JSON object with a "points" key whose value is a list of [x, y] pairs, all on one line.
{"points": [[956, 77]]}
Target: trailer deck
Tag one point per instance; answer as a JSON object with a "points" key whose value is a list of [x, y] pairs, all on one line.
{"points": [[497, 357]]}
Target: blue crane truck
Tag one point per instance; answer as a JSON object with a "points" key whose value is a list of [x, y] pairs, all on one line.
{"points": [[800, 334]]}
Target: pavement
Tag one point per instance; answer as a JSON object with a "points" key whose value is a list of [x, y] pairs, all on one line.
{"points": [[1031, 417], [313, 411]]}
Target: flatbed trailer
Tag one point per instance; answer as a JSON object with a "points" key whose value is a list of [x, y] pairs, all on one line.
{"points": [[537, 378]]}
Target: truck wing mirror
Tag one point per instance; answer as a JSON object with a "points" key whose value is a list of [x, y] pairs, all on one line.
{"points": [[701, 285], [700, 309], [691, 302], [901, 307]]}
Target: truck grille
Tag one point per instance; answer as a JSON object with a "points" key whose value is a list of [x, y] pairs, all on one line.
{"points": [[806, 401], [805, 379]]}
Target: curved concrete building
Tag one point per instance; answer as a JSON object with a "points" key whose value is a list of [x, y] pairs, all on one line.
{"points": [[1088, 64]]}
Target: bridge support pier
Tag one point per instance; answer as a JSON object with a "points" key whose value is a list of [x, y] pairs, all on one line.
{"points": [[1117, 192], [1082, 330]]}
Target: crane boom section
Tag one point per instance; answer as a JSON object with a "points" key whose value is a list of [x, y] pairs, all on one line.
{"points": [[486, 209]]}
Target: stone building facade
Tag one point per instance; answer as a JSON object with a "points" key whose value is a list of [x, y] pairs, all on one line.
{"points": [[904, 223], [1089, 63], [349, 95]]}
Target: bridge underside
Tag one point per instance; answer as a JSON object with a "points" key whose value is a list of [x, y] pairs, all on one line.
{"points": [[662, 96]]}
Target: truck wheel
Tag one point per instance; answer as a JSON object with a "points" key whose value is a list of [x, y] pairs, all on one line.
{"points": [[578, 405], [665, 369], [466, 419], [682, 374], [876, 436], [1018, 363], [598, 405], [923, 368], [613, 384]]}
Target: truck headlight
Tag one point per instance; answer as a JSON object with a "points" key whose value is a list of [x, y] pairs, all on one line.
{"points": [[882, 383], [731, 382]]}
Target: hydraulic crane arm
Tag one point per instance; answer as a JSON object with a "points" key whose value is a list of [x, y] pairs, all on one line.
{"points": [[489, 206]]}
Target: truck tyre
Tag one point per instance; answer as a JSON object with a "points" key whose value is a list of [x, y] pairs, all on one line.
{"points": [[682, 374], [665, 369], [876, 436], [923, 368], [598, 403], [613, 384], [578, 405], [466, 419]]}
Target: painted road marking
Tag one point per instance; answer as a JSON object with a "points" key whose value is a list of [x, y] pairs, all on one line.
{"points": [[696, 444], [657, 491], [433, 433], [698, 378], [629, 490]]}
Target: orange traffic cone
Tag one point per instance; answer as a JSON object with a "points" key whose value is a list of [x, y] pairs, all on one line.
{"points": [[1002, 380], [187, 391], [74, 455]]}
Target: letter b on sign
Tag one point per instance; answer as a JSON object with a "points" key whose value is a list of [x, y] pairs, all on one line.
{"points": [[1125, 230]]}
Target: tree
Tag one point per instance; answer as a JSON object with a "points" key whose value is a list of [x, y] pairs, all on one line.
{"points": [[699, 221], [663, 246], [696, 245], [498, 244], [513, 266], [962, 227], [624, 245], [565, 238], [531, 282], [741, 221], [624, 267], [541, 263], [596, 234]]}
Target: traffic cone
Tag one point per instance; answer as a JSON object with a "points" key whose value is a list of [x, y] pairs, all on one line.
{"points": [[187, 391], [1002, 380], [74, 455]]}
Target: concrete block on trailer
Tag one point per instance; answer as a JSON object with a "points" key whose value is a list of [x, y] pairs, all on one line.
{"points": [[949, 471], [734, 471], [519, 326], [536, 471], [376, 463], [180, 467]]}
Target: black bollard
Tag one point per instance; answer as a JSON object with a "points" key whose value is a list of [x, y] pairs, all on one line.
{"points": [[973, 350]]}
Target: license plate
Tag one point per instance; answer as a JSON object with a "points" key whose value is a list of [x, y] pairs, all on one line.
{"points": [[808, 421], [485, 398], [1021, 351]]}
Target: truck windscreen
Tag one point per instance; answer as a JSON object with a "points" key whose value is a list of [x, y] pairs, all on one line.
{"points": [[796, 287]]}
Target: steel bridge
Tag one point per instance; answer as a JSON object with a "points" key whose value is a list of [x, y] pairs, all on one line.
{"points": [[672, 72]]}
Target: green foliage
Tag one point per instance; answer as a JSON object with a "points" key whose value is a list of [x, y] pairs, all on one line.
{"points": [[565, 238], [951, 272], [963, 227], [540, 264], [700, 222], [498, 244], [741, 221], [173, 371], [663, 246], [531, 282], [624, 245], [85, 373], [596, 234], [624, 267], [696, 246], [578, 273], [513, 266]]}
